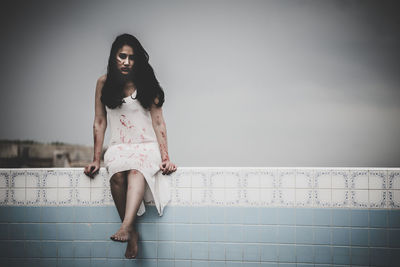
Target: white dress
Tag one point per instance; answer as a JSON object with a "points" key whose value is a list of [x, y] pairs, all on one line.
{"points": [[134, 145]]}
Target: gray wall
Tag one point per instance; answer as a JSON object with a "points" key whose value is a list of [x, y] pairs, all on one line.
{"points": [[247, 83]]}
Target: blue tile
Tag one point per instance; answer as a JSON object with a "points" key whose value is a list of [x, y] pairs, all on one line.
{"points": [[82, 262], [394, 219], [377, 237], [114, 216], [251, 233], [82, 215], [183, 232], [233, 233], [199, 232], [286, 234], [340, 236], [199, 263], [33, 214], [234, 264], [65, 249], [322, 254], [82, 231], [287, 216], [269, 253], [268, 215], [3, 231], [322, 217], [216, 251], [199, 251], [216, 215], [182, 263], [304, 235], [234, 252], [82, 249], [4, 214], [32, 231], [304, 216], [379, 256], [287, 253], [16, 214], [66, 231], [359, 237], [183, 214], [199, 215], [251, 215], [166, 263], [147, 250], [50, 215], [151, 214], [33, 249], [147, 231], [250, 264], [16, 231], [268, 234], [394, 257], [99, 214], [251, 252], [287, 265], [341, 255], [165, 250], [166, 232], [305, 254], [216, 264], [4, 246], [359, 218], [101, 231], [322, 235], [233, 215], [65, 262], [48, 231], [359, 256], [168, 215], [149, 263], [216, 233], [99, 249], [117, 250], [48, 262], [378, 218], [49, 249], [394, 238], [116, 262], [183, 251], [341, 217]]}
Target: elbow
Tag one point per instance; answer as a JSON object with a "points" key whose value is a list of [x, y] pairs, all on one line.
{"points": [[100, 124]]}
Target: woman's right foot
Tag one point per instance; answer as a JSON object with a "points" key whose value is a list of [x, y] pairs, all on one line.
{"points": [[132, 247], [123, 234]]}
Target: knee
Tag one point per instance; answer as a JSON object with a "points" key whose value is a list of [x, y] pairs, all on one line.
{"points": [[118, 179]]}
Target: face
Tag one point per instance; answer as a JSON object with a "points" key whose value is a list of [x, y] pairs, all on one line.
{"points": [[125, 59]]}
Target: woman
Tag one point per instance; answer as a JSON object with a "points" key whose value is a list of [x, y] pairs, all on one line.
{"points": [[131, 98]]}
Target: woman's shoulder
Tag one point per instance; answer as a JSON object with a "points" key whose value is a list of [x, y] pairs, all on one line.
{"points": [[102, 79]]}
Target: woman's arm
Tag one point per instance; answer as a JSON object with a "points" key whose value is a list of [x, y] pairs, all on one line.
{"points": [[99, 128], [160, 130]]}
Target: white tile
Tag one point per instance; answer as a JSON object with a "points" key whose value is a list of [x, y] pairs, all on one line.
{"points": [[304, 179], [97, 196], [377, 198], [183, 196], [109, 201], [394, 198], [4, 196], [83, 195], [394, 179], [268, 196], [65, 180], [199, 196], [97, 182], [18, 196], [232, 196], [232, 181], [251, 196], [217, 179], [253, 180], [287, 179], [81, 180], [323, 179], [18, 179], [359, 179], [287, 197], [4, 178], [340, 179], [340, 198], [196, 179], [49, 196], [217, 196], [50, 179], [377, 179], [304, 197], [322, 197], [359, 199], [267, 179], [32, 178], [65, 197], [33, 196]]}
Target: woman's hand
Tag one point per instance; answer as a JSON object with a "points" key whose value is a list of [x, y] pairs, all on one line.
{"points": [[167, 167], [92, 169]]}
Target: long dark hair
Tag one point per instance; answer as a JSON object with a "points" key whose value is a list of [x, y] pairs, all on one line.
{"points": [[142, 75]]}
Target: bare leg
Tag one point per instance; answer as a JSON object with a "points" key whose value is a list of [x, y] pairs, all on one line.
{"points": [[118, 184]]}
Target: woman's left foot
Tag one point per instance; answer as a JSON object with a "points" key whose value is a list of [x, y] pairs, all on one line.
{"points": [[132, 247], [123, 234]]}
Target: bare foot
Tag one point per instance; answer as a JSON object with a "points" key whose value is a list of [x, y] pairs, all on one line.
{"points": [[123, 234], [132, 247]]}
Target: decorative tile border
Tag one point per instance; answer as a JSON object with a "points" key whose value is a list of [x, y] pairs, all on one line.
{"points": [[377, 188]]}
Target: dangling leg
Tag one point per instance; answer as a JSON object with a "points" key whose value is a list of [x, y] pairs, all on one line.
{"points": [[118, 184]]}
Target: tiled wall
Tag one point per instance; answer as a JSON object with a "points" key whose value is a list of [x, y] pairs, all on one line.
{"points": [[218, 217]]}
